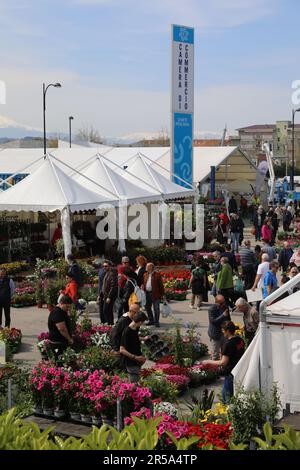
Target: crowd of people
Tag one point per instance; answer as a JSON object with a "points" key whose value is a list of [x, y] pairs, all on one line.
{"points": [[131, 295]]}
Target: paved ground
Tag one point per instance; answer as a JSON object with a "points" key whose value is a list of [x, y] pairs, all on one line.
{"points": [[33, 320]]}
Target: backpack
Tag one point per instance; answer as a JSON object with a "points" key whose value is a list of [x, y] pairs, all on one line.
{"points": [[198, 274], [138, 296]]}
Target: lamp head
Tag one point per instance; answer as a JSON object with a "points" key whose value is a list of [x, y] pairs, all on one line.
{"points": [[57, 85], [71, 117]]}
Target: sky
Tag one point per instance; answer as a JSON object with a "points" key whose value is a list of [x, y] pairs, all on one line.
{"points": [[113, 59]]}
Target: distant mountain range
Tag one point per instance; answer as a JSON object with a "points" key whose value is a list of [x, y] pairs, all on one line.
{"points": [[10, 129]]}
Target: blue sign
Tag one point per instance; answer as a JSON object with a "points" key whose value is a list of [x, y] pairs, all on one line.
{"points": [[183, 34], [183, 148]]}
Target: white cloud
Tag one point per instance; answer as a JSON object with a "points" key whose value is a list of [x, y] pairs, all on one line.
{"points": [[119, 111]]}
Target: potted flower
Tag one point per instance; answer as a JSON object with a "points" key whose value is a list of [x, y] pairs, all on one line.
{"points": [[39, 295], [51, 295]]}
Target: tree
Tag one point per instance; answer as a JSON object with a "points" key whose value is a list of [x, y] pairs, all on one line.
{"points": [[88, 133], [163, 137]]}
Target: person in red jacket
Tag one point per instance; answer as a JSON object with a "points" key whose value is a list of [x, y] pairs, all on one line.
{"points": [[266, 231], [71, 289], [223, 216], [57, 234]]}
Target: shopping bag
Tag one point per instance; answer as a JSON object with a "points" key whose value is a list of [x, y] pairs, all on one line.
{"points": [[166, 310]]}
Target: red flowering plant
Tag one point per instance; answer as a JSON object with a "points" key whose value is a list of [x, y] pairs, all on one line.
{"points": [[203, 374], [212, 436], [133, 396], [171, 369], [181, 381], [59, 381], [41, 385], [73, 386], [143, 413], [178, 429], [12, 337], [43, 336], [166, 360]]}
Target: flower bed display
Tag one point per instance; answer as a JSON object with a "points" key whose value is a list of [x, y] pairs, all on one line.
{"points": [[211, 436], [12, 337], [85, 336], [14, 268], [23, 299], [176, 284], [203, 374], [89, 393]]}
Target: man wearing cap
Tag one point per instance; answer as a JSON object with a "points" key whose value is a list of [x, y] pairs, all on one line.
{"points": [[250, 318]]}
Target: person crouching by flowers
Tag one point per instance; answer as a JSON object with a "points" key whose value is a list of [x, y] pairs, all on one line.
{"points": [[71, 289], [130, 347], [233, 350], [59, 326]]}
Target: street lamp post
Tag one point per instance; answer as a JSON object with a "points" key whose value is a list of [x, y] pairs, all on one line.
{"points": [[70, 130], [293, 149], [45, 88]]}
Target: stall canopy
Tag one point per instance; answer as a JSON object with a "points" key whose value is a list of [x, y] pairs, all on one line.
{"points": [[107, 179], [49, 189], [274, 354], [138, 171]]}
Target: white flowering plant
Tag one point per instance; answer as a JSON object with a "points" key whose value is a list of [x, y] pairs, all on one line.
{"points": [[165, 407], [102, 340]]}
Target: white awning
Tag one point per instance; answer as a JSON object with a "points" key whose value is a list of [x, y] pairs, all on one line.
{"points": [[108, 182], [48, 189]]}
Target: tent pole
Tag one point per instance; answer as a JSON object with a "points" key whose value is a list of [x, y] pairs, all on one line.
{"points": [[66, 230]]}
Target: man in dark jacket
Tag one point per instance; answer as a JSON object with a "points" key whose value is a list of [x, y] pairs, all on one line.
{"points": [[120, 326], [7, 289], [231, 257], [110, 292], [236, 229], [154, 288], [284, 256], [101, 275], [217, 315], [287, 220], [232, 206], [249, 264], [74, 270]]}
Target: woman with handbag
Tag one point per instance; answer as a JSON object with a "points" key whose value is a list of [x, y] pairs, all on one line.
{"points": [[199, 284]]}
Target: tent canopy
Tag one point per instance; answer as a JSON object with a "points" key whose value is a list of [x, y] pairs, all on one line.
{"points": [[48, 189], [288, 306], [99, 172], [274, 354], [230, 163], [140, 172]]}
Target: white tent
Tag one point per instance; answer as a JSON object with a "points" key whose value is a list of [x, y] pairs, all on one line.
{"points": [[49, 189], [274, 354], [108, 179], [138, 171]]}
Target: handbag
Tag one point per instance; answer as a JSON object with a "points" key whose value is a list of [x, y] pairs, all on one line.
{"points": [[166, 310], [138, 296]]}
